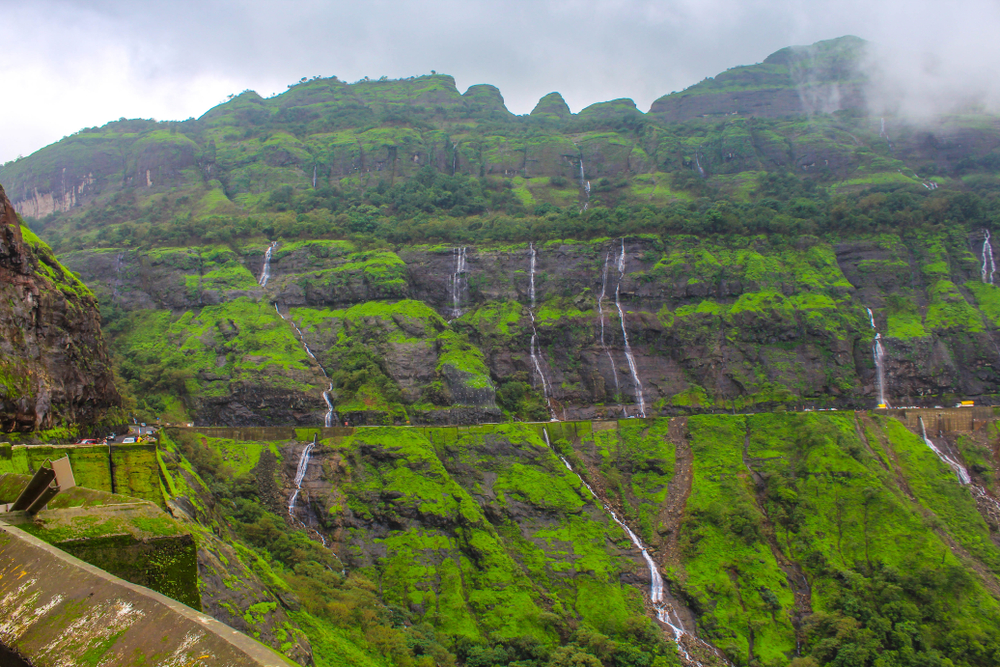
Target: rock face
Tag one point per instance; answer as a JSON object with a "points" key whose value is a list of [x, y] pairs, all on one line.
{"points": [[54, 366], [795, 81], [711, 324]]}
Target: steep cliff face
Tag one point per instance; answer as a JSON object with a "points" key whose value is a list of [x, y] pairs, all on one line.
{"points": [[446, 334], [54, 367], [774, 533], [795, 81]]}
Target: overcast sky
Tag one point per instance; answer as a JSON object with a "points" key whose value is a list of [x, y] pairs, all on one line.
{"points": [[69, 64]]}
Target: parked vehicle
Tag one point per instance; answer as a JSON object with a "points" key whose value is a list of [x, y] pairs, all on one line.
{"points": [[128, 441]]}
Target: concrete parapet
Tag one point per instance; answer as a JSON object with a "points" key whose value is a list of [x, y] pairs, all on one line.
{"points": [[943, 420], [58, 610], [127, 469]]}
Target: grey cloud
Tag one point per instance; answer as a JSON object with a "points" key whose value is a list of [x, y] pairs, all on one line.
{"points": [[177, 59]]}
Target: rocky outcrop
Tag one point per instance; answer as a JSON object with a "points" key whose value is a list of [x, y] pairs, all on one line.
{"points": [[795, 81], [54, 367], [711, 325]]}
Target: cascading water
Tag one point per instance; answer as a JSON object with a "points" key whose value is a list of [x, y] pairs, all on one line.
{"points": [[330, 414], [300, 473], [987, 274], [665, 613], [878, 353], [633, 369], [265, 273], [314, 177], [600, 312], [534, 334], [960, 471], [457, 281], [454, 160], [584, 185], [697, 163], [328, 417], [978, 491]]}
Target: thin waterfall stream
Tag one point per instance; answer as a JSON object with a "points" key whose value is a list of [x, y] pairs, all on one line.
{"points": [[265, 273], [600, 312], [987, 275], [665, 613], [978, 491], [878, 354], [457, 282], [330, 413], [300, 473], [633, 369], [534, 336], [960, 471]]}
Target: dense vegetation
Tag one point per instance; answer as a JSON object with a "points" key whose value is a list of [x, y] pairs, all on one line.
{"points": [[901, 568]]}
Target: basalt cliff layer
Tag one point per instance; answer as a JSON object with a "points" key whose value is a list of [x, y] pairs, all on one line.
{"points": [[54, 366]]}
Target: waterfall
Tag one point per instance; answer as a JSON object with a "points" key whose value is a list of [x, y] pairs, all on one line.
{"points": [[265, 273], [454, 160], [584, 184], [330, 414], [600, 312], [697, 163], [534, 334], [878, 353], [300, 473], [456, 282], [665, 613], [531, 278], [328, 418], [628, 348], [987, 275], [314, 177], [960, 471], [978, 491]]}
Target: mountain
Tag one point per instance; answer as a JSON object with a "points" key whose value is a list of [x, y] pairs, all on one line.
{"points": [[717, 263], [468, 387]]}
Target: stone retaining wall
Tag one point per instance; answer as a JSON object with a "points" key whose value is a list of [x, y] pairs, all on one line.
{"points": [[58, 610]]}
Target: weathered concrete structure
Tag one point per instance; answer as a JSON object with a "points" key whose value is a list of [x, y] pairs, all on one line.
{"points": [[943, 420], [58, 610], [130, 470]]}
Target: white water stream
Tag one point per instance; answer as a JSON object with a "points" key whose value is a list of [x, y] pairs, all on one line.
{"points": [[628, 348], [987, 275], [536, 362], [265, 273], [960, 471], [300, 473], [878, 354], [977, 490], [330, 414], [600, 312], [457, 281], [665, 613]]}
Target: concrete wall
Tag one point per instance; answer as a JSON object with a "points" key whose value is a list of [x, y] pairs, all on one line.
{"points": [[135, 469], [946, 420], [58, 610]]}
